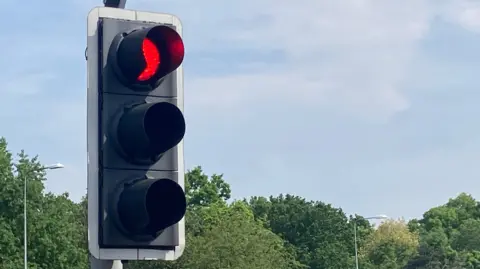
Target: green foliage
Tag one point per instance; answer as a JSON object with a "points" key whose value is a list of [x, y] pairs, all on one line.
{"points": [[202, 190], [391, 246], [467, 237], [319, 234], [233, 239], [450, 235]]}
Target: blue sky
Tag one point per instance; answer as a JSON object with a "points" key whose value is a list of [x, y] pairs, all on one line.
{"points": [[369, 105]]}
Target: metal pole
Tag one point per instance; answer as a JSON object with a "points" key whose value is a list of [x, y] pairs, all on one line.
{"points": [[115, 3], [25, 259], [356, 248], [105, 264], [25, 246]]}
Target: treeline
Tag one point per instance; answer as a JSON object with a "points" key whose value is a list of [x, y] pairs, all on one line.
{"points": [[259, 233]]}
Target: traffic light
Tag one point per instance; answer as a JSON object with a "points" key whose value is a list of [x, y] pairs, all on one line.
{"points": [[135, 122]]}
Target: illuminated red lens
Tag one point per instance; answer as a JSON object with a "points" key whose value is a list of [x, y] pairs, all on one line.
{"points": [[152, 60], [177, 51]]}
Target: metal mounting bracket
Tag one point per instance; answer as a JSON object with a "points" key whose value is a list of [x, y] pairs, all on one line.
{"points": [[115, 3]]}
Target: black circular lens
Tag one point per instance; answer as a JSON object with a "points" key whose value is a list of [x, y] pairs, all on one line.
{"points": [[164, 126]]}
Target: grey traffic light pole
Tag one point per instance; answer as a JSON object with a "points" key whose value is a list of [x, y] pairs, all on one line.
{"points": [[355, 234], [25, 241]]}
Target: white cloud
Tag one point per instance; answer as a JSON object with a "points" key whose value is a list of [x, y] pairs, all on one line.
{"points": [[347, 55], [464, 12]]}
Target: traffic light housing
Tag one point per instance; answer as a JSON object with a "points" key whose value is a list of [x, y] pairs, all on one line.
{"points": [[135, 130]]}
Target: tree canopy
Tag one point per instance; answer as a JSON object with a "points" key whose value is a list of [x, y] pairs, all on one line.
{"points": [[275, 232]]}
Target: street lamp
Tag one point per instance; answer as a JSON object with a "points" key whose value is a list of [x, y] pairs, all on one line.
{"points": [[377, 217], [53, 166], [48, 167]]}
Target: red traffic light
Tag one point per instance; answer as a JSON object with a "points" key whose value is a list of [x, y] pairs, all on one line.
{"points": [[152, 60], [146, 55]]}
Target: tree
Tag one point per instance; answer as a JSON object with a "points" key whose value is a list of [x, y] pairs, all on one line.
{"points": [[83, 217], [448, 235], [466, 206], [58, 235], [468, 236], [233, 239], [452, 215], [319, 234], [391, 246], [202, 190]]}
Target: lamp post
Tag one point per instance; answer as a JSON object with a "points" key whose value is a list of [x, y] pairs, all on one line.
{"points": [[378, 217], [48, 167]]}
